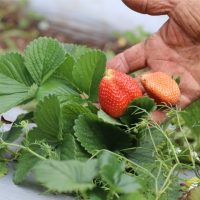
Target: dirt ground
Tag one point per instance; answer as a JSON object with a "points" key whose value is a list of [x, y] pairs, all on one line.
{"points": [[18, 27]]}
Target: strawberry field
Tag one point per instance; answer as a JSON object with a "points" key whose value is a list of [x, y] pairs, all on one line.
{"points": [[74, 147]]}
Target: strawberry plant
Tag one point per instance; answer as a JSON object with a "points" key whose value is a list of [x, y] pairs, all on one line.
{"points": [[75, 147]]}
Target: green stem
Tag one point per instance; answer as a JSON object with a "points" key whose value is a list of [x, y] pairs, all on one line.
{"points": [[25, 148], [169, 141], [167, 181], [159, 172], [188, 144], [110, 195], [127, 160], [154, 145], [84, 195]]}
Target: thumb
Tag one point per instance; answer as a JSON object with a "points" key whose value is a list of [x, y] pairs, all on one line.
{"points": [[130, 60], [152, 7]]}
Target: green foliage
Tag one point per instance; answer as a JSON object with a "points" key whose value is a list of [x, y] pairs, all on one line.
{"points": [[3, 169], [133, 196], [12, 65], [48, 119], [88, 71], [66, 176], [56, 87], [137, 109], [70, 113], [194, 194], [66, 68], [25, 163], [108, 119], [192, 122], [67, 148], [115, 177], [42, 57], [77, 148], [17, 128], [12, 93], [97, 135], [97, 194], [80, 153], [144, 153], [50, 68]]}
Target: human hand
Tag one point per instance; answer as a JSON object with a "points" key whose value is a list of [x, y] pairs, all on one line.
{"points": [[174, 49]]}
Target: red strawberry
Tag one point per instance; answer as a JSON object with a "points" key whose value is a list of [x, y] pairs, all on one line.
{"points": [[116, 91], [161, 87]]}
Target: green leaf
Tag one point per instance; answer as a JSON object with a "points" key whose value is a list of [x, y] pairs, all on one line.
{"points": [[56, 87], [16, 130], [97, 194], [14, 81], [193, 123], [137, 109], [12, 93], [133, 196], [115, 176], [194, 194], [65, 99], [126, 184], [70, 113], [65, 69], [145, 154], [174, 191], [10, 86], [177, 79], [42, 57], [88, 71], [48, 119], [80, 153], [25, 163], [76, 50], [93, 107], [106, 118], [12, 66], [67, 148], [96, 135], [66, 176], [3, 169]]}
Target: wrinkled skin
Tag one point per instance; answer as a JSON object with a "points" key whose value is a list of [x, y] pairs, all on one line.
{"points": [[174, 49]]}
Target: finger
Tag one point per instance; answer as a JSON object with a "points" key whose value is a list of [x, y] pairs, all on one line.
{"points": [[137, 78], [184, 101], [130, 60], [158, 116], [152, 7]]}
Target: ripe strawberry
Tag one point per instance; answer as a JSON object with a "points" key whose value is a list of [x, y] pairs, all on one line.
{"points": [[116, 91], [161, 87]]}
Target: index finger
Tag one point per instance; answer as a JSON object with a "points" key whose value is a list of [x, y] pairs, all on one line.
{"points": [[152, 7]]}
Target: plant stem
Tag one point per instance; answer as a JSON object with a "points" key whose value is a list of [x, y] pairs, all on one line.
{"points": [[152, 140], [159, 172], [189, 146], [127, 160], [169, 141], [110, 195], [25, 148], [84, 195], [167, 181]]}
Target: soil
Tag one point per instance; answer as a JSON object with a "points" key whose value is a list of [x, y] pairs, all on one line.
{"points": [[18, 27]]}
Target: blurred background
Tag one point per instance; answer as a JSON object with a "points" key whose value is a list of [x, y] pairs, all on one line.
{"points": [[108, 25]]}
